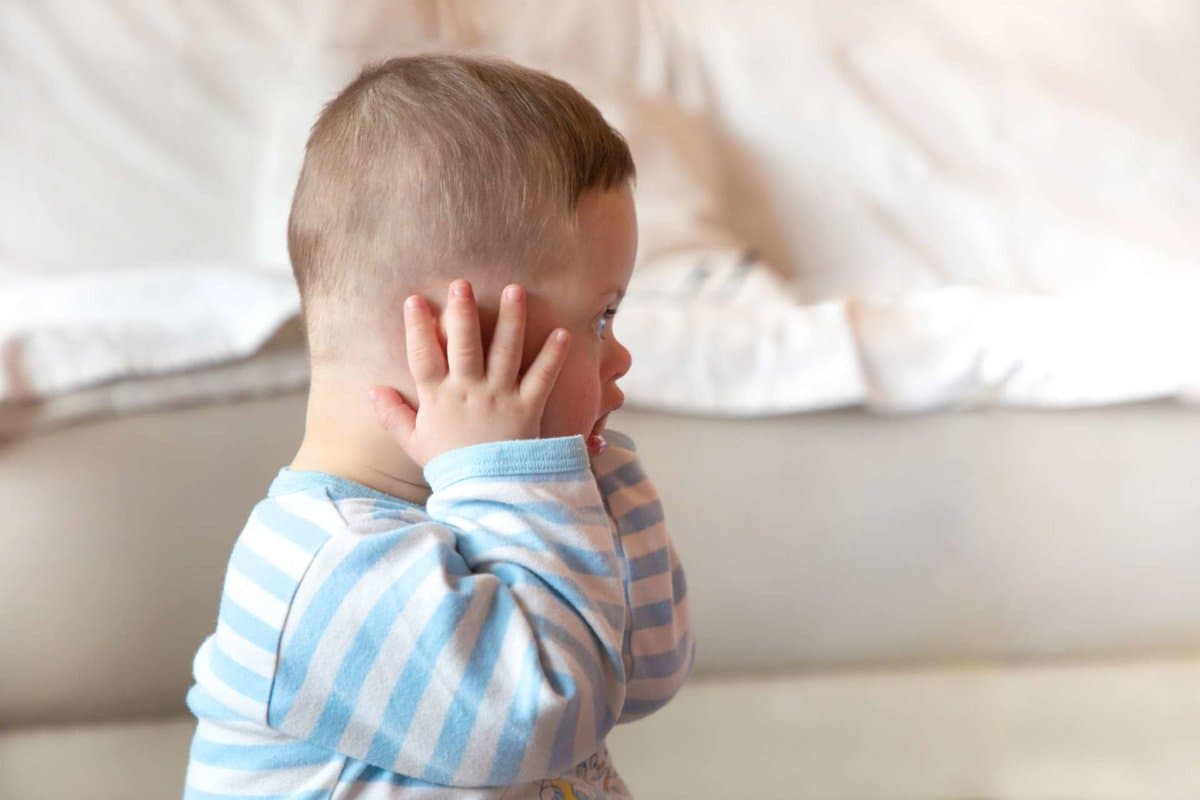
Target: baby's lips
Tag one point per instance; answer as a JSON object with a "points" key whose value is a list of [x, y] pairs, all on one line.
{"points": [[596, 444]]}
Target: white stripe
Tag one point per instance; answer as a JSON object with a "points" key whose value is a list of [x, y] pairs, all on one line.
{"points": [[389, 665], [652, 588], [596, 535], [655, 689], [245, 652], [540, 746], [626, 498], [287, 780], [220, 691], [338, 637], [363, 517], [238, 733], [512, 521], [252, 597], [659, 639], [647, 540], [278, 550], [378, 790]]}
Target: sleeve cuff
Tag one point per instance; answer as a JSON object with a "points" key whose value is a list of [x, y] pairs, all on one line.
{"points": [[508, 459]]}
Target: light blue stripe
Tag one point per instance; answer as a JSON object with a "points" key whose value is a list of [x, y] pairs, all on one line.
{"points": [[678, 583], [614, 613], [204, 706], [247, 625], [562, 753], [661, 665], [639, 519], [401, 513], [243, 681], [295, 529], [418, 670], [651, 615], [520, 723], [652, 563], [357, 771], [294, 661], [534, 458], [258, 756], [603, 715], [362, 653], [263, 573], [474, 545], [640, 708], [460, 717], [573, 599], [586, 561], [630, 474]]}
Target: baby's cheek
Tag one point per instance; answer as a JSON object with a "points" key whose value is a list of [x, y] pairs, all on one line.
{"points": [[566, 415], [573, 405]]}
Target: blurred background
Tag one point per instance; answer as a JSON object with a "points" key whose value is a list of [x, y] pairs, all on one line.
{"points": [[916, 354]]}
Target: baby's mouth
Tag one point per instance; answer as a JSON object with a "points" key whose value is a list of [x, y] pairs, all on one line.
{"points": [[595, 440]]}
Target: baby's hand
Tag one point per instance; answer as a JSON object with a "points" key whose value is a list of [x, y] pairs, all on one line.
{"points": [[465, 401]]}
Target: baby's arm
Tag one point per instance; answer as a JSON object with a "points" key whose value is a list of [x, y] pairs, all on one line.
{"points": [[511, 595], [659, 643]]}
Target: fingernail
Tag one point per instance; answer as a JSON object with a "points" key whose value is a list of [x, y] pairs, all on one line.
{"points": [[560, 336], [461, 289], [412, 303], [511, 292]]}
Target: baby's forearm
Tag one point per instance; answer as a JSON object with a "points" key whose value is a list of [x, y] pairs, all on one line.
{"points": [[659, 643]]}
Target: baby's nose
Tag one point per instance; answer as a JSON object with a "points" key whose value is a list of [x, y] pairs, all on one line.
{"points": [[622, 360]]}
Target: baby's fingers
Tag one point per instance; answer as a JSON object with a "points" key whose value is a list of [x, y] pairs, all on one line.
{"points": [[508, 339], [542, 374], [425, 359], [395, 415], [464, 349]]}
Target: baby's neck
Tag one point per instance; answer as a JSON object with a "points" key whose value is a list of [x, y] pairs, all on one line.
{"points": [[343, 437]]}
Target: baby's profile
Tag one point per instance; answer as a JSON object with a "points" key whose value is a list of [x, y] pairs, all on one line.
{"points": [[462, 581]]}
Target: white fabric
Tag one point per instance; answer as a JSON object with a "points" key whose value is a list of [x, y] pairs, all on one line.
{"points": [[66, 332], [966, 347], [716, 332], [943, 183], [274, 370]]}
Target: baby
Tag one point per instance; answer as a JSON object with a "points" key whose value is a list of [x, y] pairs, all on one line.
{"points": [[461, 584]]}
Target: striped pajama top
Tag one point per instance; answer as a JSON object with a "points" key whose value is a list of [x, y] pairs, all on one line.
{"points": [[481, 646]]}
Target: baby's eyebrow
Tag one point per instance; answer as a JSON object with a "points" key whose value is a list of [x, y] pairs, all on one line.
{"points": [[617, 290]]}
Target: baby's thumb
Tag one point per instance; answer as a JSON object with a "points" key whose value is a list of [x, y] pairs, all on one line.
{"points": [[395, 415]]}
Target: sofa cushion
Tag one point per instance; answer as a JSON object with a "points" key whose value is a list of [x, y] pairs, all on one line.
{"points": [[1106, 730]]}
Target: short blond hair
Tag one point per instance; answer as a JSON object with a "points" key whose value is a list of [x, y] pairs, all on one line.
{"points": [[429, 164]]}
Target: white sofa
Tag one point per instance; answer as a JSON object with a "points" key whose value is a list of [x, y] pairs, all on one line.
{"points": [[978, 605], [986, 604]]}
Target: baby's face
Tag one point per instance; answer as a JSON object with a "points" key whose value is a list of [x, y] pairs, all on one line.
{"points": [[583, 300]]}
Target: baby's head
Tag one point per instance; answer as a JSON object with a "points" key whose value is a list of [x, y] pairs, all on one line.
{"points": [[431, 168]]}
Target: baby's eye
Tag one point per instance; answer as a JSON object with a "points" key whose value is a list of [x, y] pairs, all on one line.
{"points": [[604, 322]]}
